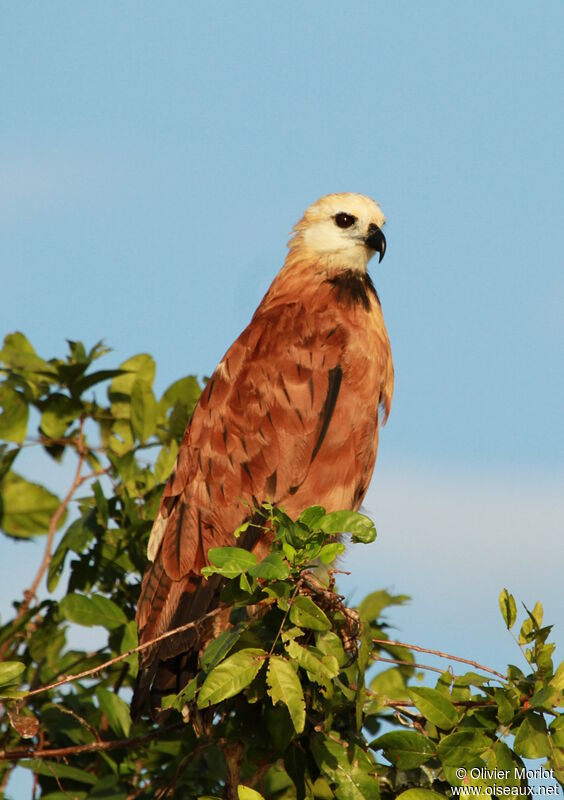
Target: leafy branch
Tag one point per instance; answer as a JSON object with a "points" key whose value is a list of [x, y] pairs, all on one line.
{"points": [[290, 699]]}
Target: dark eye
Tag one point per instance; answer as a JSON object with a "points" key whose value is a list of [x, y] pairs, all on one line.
{"points": [[344, 220]]}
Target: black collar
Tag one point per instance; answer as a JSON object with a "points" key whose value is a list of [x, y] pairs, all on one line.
{"points": [[352, 288]]}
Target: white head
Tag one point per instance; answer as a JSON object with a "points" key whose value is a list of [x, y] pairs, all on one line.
{"points": [[341, 230]]}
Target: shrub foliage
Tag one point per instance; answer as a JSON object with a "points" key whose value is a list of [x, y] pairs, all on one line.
{"points": [[301, 697]]}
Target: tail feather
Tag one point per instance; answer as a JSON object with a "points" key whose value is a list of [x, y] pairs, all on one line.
{"points": [[165, 604]]}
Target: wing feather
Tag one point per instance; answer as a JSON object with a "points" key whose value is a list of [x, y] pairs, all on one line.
{"points": [[291, 416]]}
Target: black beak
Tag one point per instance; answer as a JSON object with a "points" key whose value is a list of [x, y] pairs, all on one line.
{"points": [[376, 240]]}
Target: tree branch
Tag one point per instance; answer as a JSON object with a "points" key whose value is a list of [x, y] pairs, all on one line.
{"points": [[30, 593], [57, 752], [439, 653], [413, 664], [458, 703], [93, 670]]}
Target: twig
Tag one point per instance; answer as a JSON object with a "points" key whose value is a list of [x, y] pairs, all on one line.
{"points": [[5, 779], [78, 480], [87, 672], [35, 786], [233, 754], [92, 731], [164, 790], [290, 603], [449, 656], [413, 664], [457, 703], [94, 670], [58, 752]]}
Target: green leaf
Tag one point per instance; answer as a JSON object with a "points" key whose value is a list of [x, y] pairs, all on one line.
{"points": [[139, 366], [459, 748], [181, 398], [543, 698], [185, 391], [279, 725], [165, 461], [90, 611], [405, 749], [183, 697], [19, 354], [76, 538], [27, 507], [246, 793], [505, 708], [321, 670], [280, 591], [508, 608], [373, 604], [389, 684], [129, 641], [536, 614], [59, 411], [434, 707], [121, 439], [500, 758], [229, 561], [359, 525], [311, 516], [470, 679], [14, 416], [77, 352], [329, 552], [87, 381], [231, 676], [116, 711], [7, 458], [10, 672], [102, 515], [51, 768], [273, 567], [331, 645], [219, 648], [143, 410], [419, 794], [349, 768], [108, 788], [306, 614], [284, 686], [531, 739], [557, 732], [557, 680], [178, 420]]}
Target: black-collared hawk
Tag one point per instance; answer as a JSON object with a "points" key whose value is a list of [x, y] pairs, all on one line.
{"points": [[290, 416]]}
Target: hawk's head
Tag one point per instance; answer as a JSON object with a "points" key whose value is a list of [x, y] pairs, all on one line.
{"points": [[343, 230]]}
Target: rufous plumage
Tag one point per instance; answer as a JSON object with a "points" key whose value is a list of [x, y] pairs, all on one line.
{"points": [[290, 416]]}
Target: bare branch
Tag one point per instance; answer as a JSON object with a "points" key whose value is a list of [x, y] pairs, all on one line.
{"points": [[449, 656], [58, 752], [413, 664], [30, 593], [88, 672], [410, 704]]}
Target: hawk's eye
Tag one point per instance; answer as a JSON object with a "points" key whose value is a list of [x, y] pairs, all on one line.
{"points": [[344, 220]]}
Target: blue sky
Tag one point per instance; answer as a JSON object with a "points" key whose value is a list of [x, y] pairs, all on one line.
{"points": [[154, 156]]}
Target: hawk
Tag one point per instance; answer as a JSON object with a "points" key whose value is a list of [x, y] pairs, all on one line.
{"points": [[290, 416]]}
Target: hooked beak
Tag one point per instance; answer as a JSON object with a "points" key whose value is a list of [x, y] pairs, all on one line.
{"points": [[376, 240]]}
